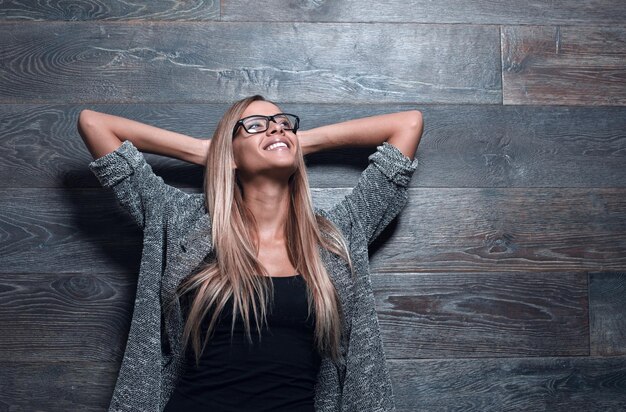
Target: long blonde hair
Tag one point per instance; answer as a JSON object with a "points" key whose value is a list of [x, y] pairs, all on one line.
{"points": [[235, 270]]}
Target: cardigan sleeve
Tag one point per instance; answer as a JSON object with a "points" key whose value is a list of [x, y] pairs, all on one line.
{"points": [[380, 193], [132, 180]]}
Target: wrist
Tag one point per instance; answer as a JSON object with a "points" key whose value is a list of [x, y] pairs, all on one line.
{"points": [[203, 151], [195, 151], [310, 141]]}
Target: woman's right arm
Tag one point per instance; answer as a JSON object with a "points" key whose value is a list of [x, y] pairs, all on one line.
{"points": [[116, 145], [104, 133]]}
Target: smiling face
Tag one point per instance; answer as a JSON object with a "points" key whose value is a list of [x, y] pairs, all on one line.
{"points": [[258, 154]]}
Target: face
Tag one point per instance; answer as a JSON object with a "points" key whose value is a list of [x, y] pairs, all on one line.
{"points": [[250, 149]]}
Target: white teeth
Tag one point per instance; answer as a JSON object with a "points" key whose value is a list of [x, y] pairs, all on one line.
{"points": [[276, 145]]}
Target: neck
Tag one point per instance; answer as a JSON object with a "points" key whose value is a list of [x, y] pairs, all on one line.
{"points": [[269, 203]]}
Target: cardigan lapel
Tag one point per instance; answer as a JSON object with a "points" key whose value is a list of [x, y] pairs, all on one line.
{"points": [[190, 250], [183, 257]]}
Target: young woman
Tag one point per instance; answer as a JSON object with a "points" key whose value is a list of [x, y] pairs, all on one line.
{"points": [[253, 251]]}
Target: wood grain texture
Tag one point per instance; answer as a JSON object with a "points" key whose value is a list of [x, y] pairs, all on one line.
{"points": [[564, 65], [57, 386], [65, 317], [38, 10], [86, 317], [423, 11], [506, 230], [440, 230], [530, 384], [71, 231], [607, 306], [462, 146], [472, 315], [221, 62]]}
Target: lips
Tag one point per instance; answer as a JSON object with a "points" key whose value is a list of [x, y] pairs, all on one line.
{"points": [[277, 140]]}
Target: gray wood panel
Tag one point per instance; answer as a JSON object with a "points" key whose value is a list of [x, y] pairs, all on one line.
{"points": [[607, 307], [65, 317], [530, 384], [417, 11], [423, 11], [477, 315], [36, 10], [552, 384], [462, 146], [506, 230], [440, 230], [564, 65], [57, 386], [72, 231], [296, 62]]}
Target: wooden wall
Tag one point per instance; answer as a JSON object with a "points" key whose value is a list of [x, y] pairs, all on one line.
{"points": [[501, 286]]}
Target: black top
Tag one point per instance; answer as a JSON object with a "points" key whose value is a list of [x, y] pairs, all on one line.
{"points": [[277, 373]]}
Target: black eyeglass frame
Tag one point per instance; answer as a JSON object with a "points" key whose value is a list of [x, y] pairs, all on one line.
{"points": [[267, 118]]}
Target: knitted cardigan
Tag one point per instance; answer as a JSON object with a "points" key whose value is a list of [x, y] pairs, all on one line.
{"points": [[177, 237]]}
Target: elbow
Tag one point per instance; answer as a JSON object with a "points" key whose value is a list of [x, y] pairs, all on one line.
{"points": [[416, 123], [88, 123], [408, 136], [86, 118]]}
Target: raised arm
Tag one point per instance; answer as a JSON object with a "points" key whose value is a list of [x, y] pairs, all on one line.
{"points": [[382, 189], [104, 133], [403, 130], [116, 145]]}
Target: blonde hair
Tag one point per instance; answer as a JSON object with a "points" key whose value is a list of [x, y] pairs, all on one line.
{"points": [[235, 269]]}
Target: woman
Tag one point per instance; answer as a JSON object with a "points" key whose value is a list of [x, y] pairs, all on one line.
{"points": [[252, 248]]}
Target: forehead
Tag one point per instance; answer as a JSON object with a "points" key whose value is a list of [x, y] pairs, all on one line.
{"points": [[261, 107]]}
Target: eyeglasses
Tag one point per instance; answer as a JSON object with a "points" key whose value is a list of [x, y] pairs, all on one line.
{"points": [[258, 123]]}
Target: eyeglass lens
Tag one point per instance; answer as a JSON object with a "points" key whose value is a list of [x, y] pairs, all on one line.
{"points": [[260, 124]]}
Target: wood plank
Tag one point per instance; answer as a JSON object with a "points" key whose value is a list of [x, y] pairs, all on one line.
{"points": [[119, 10], [607, 298], [531, 384], [463, 146], [72, 232], [440, 230], [472, 315], [505, 230], [422, 11], [57, 386], [564, 65], [219, 62], [66, 317]]}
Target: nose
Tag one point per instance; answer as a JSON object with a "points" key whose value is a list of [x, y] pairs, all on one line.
{"points": [[275, 127]]}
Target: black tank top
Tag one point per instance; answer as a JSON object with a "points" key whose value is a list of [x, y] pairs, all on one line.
{"points": [[277, 373]]}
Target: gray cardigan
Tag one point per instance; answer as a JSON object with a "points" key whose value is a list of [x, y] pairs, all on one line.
{"points": [[177, 237]]}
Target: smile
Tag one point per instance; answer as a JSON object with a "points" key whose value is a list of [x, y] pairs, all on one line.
{"points": [[277, 146]]}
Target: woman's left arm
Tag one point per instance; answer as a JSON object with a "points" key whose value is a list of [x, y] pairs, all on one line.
{"points": [[402, 129], [382, 189]]}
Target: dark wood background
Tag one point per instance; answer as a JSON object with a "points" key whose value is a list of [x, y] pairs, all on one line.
{"points": [[502, 285]]}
